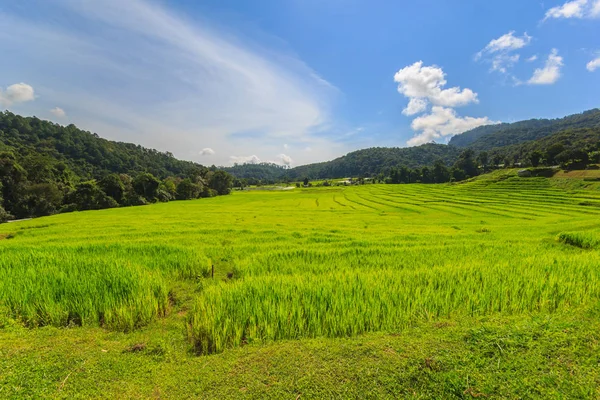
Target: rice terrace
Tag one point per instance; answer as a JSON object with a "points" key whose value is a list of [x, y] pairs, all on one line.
{"points": [[299, 200], [496, 279]]}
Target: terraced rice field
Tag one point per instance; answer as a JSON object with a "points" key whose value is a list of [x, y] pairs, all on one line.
{"points": [[323, 262], [310, 263]]}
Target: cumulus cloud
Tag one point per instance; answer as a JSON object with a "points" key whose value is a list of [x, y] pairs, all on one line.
{"points": [[500, 52], [286, 146], [253, 159], [58, 112], [575, 9], [207, 151], [593, 65], [285, 160], [443, 122], [426, 84], [17, 93], [550, 73], [415, 106]]}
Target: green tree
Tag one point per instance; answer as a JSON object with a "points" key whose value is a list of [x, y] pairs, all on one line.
{"points": [[220, 182], [440, 172], [146, 185], [483, 159], [88, 196], [186, 190], [113, 186], [40, 199], [535, 158], [466, 163]]}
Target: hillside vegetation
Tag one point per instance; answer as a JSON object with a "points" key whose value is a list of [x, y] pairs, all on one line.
{"points": [[488, 137], [490, 146], [489, 288], [47, 168]]}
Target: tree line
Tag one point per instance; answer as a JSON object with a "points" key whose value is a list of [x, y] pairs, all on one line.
{"points": [[46, 168]]}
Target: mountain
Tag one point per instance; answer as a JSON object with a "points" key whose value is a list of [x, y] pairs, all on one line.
{"points": [[47, 168], [372, 161], [563, 147], [267, 173], [86, 154], [367, 162], [486, 138]]}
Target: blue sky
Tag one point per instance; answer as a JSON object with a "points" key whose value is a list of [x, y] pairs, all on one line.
{"points": [[295, 81]]}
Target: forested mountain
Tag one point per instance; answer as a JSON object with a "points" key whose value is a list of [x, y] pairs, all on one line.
{"points": [[486, 138], [370, 162], [266, 173], [367, 162], [569, 148], [46, 168]]}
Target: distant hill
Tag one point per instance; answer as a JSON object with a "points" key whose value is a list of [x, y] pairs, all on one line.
{"points": [[557, 148], [367, 162], [486, 138], [370, 162], [47, 168], [265, 172], [85, 153], [377, 160]]}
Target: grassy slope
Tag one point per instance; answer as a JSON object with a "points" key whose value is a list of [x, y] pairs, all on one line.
{"points": [[528, 355]]}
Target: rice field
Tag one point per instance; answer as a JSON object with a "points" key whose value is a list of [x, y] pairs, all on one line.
{"points": [[308, 263]]}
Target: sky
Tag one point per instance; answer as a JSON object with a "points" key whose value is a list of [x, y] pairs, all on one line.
{"points": [[295, 81]]}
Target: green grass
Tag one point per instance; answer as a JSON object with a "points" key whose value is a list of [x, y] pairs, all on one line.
{"points": [[444, 291]]}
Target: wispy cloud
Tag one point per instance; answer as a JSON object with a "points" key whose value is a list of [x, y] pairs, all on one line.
{"points": [[575, 9], [501, 52], [550, 73], [58, 112], [135, 70], [593, 65]]}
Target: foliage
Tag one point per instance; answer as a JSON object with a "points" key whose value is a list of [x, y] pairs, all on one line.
{"points": [[46, 167], [501, 135], [370, 162]]}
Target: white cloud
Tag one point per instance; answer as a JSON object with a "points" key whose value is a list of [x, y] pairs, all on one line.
{"points": [[17, 93], [443, 122], [58, 112], [427, 83], [595, 11], [575, 9], [551, 71], [532, 58], [286, 146], [424, 85], [502, 62], [415, 106], [506, 42], [499, 52], [253, 159], [231, 88], [593, 65], [286, 160], [207, 151]]}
